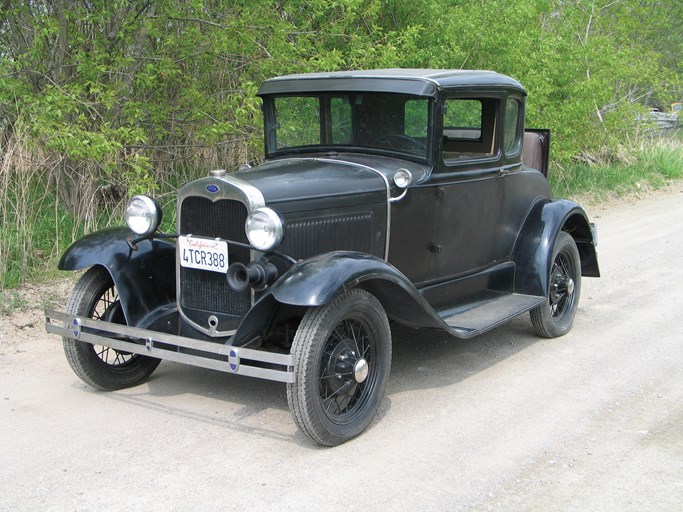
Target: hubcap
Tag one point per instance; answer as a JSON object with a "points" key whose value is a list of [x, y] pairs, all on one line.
{"points": [[360, 371]]}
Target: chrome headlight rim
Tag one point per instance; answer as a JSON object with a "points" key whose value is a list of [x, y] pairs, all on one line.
{"points": [[143, 215], [265, 229]]}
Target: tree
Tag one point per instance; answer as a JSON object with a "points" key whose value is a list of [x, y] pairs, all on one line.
{"points": [[127, 95]]}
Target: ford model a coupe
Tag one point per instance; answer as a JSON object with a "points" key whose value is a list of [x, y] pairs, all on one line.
{"points": [[413, 196]]}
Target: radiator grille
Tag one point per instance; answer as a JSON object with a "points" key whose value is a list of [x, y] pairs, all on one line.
{"points": [[209, 291]]}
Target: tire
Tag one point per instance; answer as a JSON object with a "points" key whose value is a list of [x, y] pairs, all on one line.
{"points": [[555, 317], [104, 368], [342, 358]]}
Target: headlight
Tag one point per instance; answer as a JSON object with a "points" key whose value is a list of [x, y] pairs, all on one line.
{"points": [[143, 215], [264, 229]]}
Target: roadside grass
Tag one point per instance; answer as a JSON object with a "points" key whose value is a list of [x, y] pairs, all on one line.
{"points": [[10, 301], [34, 231], [650, 164], [35, 228]]}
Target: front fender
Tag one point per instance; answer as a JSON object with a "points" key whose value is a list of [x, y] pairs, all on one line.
{"points": [[319, 280], [533, 250], [144, 277]]}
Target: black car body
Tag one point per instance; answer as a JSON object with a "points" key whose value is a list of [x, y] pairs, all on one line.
{"points": [[414, 196]]}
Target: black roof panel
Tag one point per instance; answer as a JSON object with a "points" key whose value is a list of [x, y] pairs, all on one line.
{"points": [[422, 82]]}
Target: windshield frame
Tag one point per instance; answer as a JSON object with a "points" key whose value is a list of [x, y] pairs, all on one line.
{"points": [[324, 123]]}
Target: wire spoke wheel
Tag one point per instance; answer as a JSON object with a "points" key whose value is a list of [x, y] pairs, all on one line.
{"points": [[95, 296], [562, 286], [348, 359], [556, 317], [342, 354], [108, 308]]}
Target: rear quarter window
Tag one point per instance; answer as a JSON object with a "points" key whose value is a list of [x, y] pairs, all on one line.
{"points": [[513, 136]]}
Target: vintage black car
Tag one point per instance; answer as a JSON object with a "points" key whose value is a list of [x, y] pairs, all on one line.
{"points": [[412, 196]]}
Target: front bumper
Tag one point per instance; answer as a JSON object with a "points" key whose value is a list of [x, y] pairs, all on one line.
{"points": [[225, 358]]}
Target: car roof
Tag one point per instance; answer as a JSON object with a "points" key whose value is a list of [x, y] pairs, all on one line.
{"points": [[422, 82]]}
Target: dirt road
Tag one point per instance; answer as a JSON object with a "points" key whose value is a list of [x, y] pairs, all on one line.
{"points": [[592, 421]]}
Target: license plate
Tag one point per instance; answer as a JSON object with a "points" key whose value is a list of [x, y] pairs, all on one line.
{"points": [[203, 253]]}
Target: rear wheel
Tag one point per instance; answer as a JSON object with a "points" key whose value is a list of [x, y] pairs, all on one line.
{"points": [[342, 357], [104, 368], [556, 316]]}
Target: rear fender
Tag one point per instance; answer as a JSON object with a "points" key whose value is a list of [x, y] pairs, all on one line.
{"points": [[533, 251], [144, 276]]}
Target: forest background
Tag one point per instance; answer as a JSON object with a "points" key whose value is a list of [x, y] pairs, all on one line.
{"points": [[103, 99]]}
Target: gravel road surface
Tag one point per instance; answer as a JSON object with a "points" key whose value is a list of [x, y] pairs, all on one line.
{"points": [[592, 421]]}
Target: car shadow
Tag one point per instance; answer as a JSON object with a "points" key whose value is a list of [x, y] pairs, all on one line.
{"points": [[429, 358], [421, 359]]}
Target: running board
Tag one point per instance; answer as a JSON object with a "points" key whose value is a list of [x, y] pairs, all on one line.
{"points": [[483, 316], [216, 356]]}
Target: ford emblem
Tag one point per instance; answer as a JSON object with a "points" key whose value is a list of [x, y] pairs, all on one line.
{"points": [[212, 188]]}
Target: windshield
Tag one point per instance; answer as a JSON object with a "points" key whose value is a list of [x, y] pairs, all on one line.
{"points": [[375, 122]]}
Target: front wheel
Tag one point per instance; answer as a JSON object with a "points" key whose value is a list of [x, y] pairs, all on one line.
{"points": [[556, 316], [104, 368], [342, 357]]}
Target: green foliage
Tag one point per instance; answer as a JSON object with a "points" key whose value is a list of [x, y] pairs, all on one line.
{"points": [[136, 86], [113, 98]]}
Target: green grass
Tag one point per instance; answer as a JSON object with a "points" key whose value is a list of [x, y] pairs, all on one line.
{"points": [[34, 234], [651, 164], [10, 301]]}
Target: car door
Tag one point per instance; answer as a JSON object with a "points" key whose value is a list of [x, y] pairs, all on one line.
{"points": [[467, 189], [483, 192]]}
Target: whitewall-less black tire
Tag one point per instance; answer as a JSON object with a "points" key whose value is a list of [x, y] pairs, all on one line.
{"points": [[342, 358], [556, 316], [104, 368]]}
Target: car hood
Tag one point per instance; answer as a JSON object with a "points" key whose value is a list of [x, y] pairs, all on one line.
{"points": [[296, 179]]}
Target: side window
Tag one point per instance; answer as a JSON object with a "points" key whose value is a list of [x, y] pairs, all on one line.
{"points": [[469, 126], [512, 131], [298, 121], [462, 120]]}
